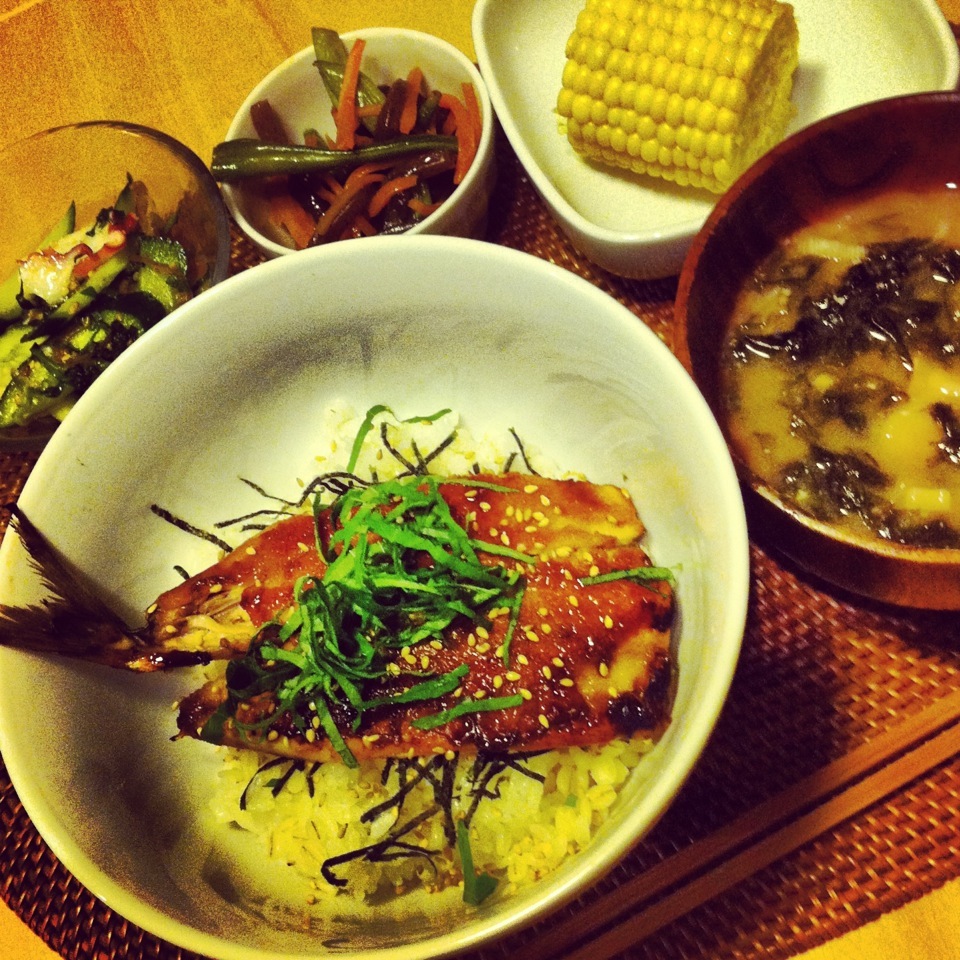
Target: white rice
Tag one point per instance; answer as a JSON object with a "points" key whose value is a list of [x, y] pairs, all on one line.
{"points": [[530, 825]]}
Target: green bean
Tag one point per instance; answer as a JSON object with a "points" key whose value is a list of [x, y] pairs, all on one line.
{"points": [[245, 158]]}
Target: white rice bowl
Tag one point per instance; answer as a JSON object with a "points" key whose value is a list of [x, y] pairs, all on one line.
{"points": [[238, 384]]}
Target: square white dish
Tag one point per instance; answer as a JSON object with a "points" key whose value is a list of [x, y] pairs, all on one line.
{"points": [[851, 52]]}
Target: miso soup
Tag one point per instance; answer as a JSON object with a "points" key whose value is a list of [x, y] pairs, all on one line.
{"points": [[841, 369]]}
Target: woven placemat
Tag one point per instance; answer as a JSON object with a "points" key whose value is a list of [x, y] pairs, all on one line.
{"points": [[820, 674]]}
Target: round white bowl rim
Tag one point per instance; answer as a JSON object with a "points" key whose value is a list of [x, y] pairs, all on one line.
{"points": [[596, 859]]}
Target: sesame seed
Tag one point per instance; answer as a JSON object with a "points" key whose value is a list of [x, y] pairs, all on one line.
{"points": [[152, 608], [566, 682], [497, 682], [484, 506], [545, 628], [483, 647], [480, 694], [170, 629], [513, 676], [574, 602], [315, 723], [505, 538], [273, 735], [530, 488], [525, 693], [449, 755], [216, 587], [436, 644], [543, 721], [424, 662], [603, 669], [544, 499], [563, 552], [500, 651], [509, 510], [483, 633], [608, 621], [547, 672], [542, 611], [494, 533], [612, 693], [557, 662], [522, 659], [311, 735], [594, 570], [250, 551]]}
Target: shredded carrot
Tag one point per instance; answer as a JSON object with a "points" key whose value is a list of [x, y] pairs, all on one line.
{"points": [[408, 113], [422, 209], [450, 122], [347, 104], [463, 129], [363, 176], [369, 110], [389, 190], [473, 110], [288, 215], [364, 227]]}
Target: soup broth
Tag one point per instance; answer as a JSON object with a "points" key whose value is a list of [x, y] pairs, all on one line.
{"points": [[841, 368]]}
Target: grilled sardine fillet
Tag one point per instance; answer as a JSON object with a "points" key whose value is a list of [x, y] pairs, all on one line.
{"points": [[217, 612], [588, 661]]}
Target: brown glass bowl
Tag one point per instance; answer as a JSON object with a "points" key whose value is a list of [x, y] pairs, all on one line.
{"points": [[885, 143]]}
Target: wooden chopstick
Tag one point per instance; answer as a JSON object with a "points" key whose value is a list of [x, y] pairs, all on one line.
{"points": [[787, 820]]}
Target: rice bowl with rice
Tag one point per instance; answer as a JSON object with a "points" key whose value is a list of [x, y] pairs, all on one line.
{"points": [[372, 833]]}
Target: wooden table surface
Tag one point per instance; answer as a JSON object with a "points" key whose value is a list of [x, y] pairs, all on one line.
{"points": [[184, 67]]}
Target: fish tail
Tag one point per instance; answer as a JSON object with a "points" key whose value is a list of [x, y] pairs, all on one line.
{"points": [[71, 620]]}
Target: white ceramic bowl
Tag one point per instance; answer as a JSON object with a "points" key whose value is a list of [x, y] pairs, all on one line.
{"points": [[295, 90], [515, 342], [851, 52]]}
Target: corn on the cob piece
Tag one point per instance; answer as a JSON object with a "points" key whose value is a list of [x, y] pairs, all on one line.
{"points": [[693, 91]]}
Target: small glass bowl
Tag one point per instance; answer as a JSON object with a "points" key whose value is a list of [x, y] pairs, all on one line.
{"points": [[87, 164]]}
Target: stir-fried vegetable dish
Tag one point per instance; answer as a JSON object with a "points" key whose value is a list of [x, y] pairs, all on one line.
{"points": [[397, 153]]}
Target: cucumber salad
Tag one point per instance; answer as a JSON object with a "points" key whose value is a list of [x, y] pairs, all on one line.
{"points": [[72, 305]]}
